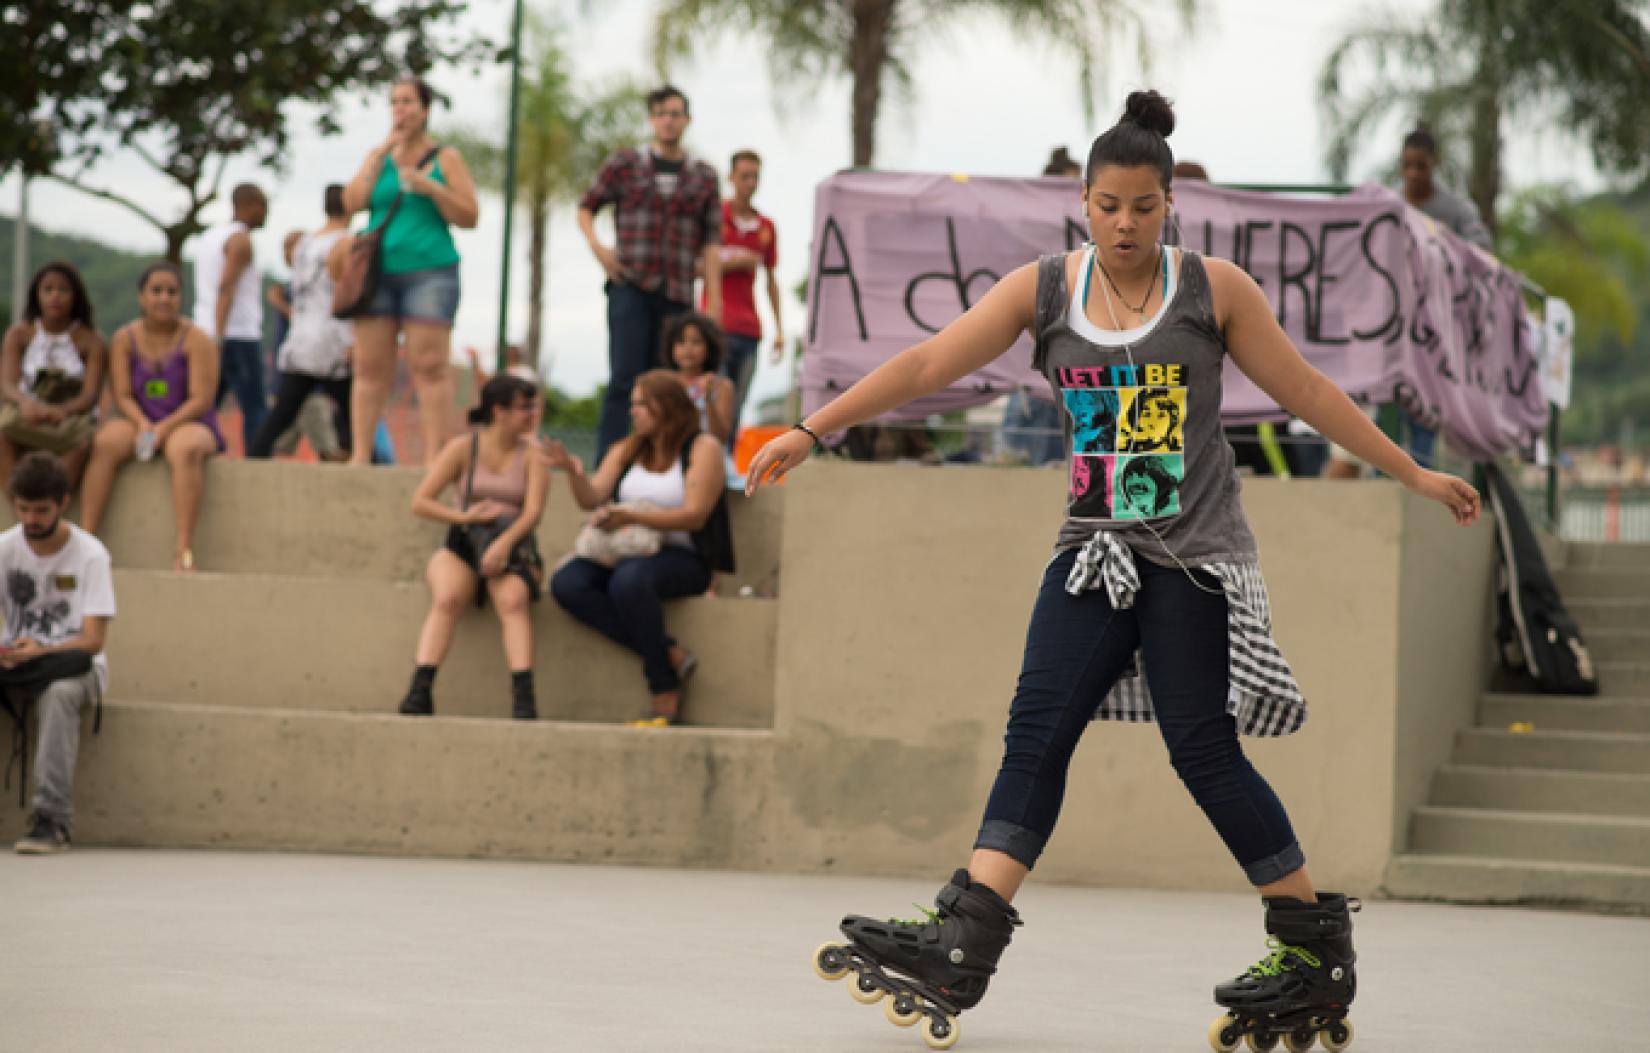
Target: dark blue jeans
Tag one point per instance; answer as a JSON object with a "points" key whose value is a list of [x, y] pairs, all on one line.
{"points": [[1076, 649], [635, 324], [739, 367], [241, 370], [624, 603]]}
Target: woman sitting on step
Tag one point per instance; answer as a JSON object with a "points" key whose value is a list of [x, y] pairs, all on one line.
{"points": [[163, 373], [666, 478], [490, 551]]}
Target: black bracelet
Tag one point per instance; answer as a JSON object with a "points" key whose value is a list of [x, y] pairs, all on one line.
{"points": [[810, 433]]}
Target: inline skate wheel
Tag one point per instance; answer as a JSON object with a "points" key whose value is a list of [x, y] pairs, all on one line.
{"points": [[1224, 1034], [830, 963], [1300, 1040], [940, 1032], [865, 990], [1261, 1041], [1336, 1036], [902, 1010]]}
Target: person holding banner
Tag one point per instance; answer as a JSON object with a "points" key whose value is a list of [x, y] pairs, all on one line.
{"points": [[1419, 162], [1153, 607]]}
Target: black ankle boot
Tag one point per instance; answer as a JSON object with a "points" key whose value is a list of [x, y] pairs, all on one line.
{"points": [[420, 700], [522, 703]]}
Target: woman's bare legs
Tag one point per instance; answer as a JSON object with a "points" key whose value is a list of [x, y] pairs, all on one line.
{"points": [[452, 588], [113, 446], [75, 462], [429, 348], [509, 595], [374, 369], [186, 451]]}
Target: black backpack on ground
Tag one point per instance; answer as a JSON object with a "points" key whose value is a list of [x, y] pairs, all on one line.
{"points": [[1535, 636]]}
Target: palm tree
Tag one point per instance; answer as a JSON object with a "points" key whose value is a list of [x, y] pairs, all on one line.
{"points": [[873, 40], [1472, 67], [563, 138]]}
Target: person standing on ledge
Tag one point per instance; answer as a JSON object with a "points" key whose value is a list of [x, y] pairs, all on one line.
{"points": [[668, 214], [1161, 580], [1419, 163]]}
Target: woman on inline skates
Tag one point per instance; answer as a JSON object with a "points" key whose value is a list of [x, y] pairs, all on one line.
{"points": [[1174, 581]]}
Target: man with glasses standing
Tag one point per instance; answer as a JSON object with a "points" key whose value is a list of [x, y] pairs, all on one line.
{"points": [[668, 217]]}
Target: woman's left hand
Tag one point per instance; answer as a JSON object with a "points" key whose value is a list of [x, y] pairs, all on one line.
{"points": [[494, 560], [1452, 492], [612, 517]]}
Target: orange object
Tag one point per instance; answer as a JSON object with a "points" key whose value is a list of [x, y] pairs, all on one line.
{"points": [[752, 439]]}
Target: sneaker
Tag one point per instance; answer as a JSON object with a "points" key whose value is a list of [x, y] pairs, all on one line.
{"points": [[46, 837]]}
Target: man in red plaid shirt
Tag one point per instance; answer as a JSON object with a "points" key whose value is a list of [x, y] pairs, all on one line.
{"points": [[667, 211]]}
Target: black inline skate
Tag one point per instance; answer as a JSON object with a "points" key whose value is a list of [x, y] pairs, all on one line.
{"points": [[1299, 992], [930, 969]]}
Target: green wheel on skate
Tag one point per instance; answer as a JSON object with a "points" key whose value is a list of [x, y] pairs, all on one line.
{"points": [[1224, 1033], [942, 1033], [1300, 1040], [830, 963], [865, 990], [1261, 1041], [902, 1010], [1336, 1036]]}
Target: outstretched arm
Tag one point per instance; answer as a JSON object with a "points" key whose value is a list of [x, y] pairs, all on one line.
{"points": [[983, 333], [1264, 352]]}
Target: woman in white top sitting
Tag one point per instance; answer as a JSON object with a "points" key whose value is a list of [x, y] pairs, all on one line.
{"points": [[56, 337], [677, 469]]}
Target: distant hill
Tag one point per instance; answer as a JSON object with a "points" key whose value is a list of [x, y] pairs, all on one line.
{"points": [[111, 274]]}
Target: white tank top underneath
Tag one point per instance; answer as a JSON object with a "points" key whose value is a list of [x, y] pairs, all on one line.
{"points": [[1078, 318], [667, 489], [246, 309], [50, 351]]}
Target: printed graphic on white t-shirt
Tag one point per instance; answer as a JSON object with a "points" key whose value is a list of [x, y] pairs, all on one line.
{"points": [[45, 599]]}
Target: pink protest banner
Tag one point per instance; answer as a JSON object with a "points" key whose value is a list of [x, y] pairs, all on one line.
{"points": [[1386, 304]]}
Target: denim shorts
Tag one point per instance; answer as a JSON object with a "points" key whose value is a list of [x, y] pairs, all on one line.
{"points": [[417, 296]]}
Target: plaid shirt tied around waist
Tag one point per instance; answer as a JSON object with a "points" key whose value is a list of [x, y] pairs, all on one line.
{"points": [[658, 238], [1262, 695]]}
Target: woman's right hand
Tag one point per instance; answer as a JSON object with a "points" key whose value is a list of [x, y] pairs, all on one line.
{"points": [[556, 456], [778, 456], [485, 511], [35, 412]]}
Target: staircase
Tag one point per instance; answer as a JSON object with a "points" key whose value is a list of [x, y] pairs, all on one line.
{"points": [[1547, 798]]}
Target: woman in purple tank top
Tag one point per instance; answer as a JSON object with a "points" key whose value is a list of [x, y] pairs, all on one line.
{"points": [[163, 372]]}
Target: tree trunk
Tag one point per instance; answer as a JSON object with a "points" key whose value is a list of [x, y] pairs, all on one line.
{"points": [[1484, 158], [538, 221], [867, 59]]}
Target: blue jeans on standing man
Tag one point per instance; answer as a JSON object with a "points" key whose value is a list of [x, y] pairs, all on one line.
{"points": [[1076, 649], [739, 367], [635, 324], [241, 370]]}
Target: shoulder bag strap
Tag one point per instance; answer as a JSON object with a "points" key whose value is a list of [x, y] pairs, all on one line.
{"points": [[395, 203], [470, 473]]}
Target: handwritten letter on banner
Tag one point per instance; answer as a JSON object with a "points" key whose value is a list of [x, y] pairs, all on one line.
{"points": [[1388, 305]]}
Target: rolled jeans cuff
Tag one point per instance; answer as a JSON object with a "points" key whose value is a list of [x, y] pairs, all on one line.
{"points": [[1017, 842], [1275, 867]]}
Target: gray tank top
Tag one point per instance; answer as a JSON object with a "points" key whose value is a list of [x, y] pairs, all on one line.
{"points": [[1146, 457]]}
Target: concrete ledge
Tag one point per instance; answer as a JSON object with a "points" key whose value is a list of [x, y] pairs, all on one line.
{"points": [[1473, 879], [1538, 790], [184, 776], [347, 645], [285, 517], [1557, 713], [1613, 840]]}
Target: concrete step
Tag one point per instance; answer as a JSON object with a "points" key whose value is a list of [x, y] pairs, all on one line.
{"points": [[254, 641], [287, 517], [1629, 645], [1566, 713], [1538, 790], [187, 776], [1624, 678], [1621, 612], [1597, 583], [1584, 751], [1613, 555], [1613, 840], [1479, 879]]}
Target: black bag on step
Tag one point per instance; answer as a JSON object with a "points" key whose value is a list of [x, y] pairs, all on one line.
{"points": [[1534, 634]]}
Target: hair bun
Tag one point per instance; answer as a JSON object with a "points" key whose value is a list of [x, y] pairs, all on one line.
{"points": [[1151, 111]]}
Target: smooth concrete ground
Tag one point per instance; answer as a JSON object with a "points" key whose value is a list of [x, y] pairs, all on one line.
{"points": [[181, 951]]}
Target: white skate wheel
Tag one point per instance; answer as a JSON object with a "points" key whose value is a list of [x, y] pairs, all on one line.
{"points": [[942, 1033]]}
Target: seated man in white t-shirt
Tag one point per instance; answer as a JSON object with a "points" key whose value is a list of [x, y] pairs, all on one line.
{"points": [[58, 597]]}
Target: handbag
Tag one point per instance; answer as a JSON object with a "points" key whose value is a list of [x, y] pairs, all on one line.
{"points": [[477, 538], [612, 547], [363, 268], [52, 387]]}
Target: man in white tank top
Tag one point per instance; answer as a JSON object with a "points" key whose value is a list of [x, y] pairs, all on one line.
{"points": [[229, 305]]}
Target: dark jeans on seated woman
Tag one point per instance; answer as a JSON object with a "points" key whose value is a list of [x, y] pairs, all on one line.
{"points": [[293, 389], [624, 604]]}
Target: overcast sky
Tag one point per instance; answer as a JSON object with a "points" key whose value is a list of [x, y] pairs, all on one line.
{"points": [[986, 104]]}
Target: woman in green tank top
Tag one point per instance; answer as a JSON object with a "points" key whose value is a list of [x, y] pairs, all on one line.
{"points": [[419, 289]]}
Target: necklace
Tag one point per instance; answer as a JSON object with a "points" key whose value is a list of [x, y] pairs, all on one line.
{"points": [[1150, 285]]}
